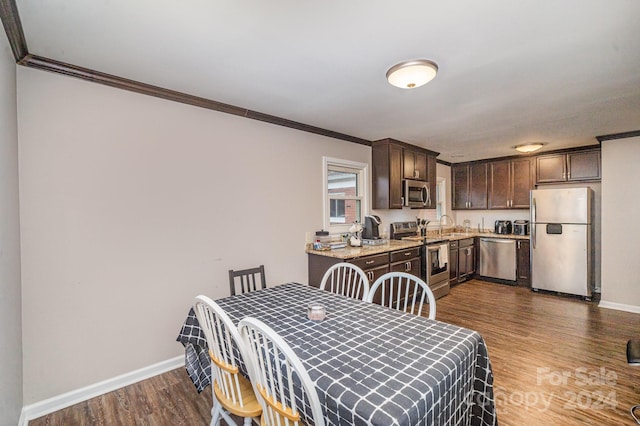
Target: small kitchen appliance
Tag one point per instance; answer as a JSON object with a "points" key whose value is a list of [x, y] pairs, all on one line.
{"points": [[503, 227], [416, 193], [521, 227], [370, 230]]}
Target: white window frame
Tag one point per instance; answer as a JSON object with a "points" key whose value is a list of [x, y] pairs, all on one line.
{"points": [[362, 170], [441, 197]]}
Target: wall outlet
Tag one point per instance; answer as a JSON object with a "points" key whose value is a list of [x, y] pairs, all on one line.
{"points": [[308, 237]]}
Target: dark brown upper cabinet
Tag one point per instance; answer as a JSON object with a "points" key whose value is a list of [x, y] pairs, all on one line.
{"points": [[386, 159], [568, 167], [393, 161], [469, 186], [414, 164], [432, 179], [509, 184]]}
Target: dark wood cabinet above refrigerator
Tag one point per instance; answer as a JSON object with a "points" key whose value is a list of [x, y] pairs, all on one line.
{"points": [[568, 167]]}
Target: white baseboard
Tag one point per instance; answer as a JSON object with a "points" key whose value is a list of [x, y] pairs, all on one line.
{"points": [[41, 408], [619, 307]]}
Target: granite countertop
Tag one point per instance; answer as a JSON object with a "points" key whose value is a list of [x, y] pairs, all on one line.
{"points": [[462, 235], [405, 243], [354, 252]]}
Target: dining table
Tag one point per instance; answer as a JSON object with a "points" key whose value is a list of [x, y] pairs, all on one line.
{"points": [[370, 365]]}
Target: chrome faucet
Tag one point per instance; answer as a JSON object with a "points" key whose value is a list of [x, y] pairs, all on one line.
{"points": [[445, 222]]}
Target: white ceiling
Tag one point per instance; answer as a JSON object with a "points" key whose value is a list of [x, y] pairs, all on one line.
{"points": [[561, 72]]}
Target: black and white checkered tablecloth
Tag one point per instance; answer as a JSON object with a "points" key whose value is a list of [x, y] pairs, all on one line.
{"points": [[370, 365]]}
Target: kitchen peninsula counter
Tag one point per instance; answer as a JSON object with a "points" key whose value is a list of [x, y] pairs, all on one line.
{"points": [[356, 252], [373, 260]]}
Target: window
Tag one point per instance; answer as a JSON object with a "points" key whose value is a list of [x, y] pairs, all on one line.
{"points": [[345, 188], [441, 198]]}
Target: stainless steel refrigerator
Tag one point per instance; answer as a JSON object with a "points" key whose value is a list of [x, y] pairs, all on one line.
{"points": [[561, 232]]}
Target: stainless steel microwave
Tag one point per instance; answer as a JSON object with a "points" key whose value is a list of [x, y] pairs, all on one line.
{"points": [[416, 193]]}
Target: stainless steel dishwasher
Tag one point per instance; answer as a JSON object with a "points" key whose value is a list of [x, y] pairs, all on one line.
{"points": [[498, 258]]}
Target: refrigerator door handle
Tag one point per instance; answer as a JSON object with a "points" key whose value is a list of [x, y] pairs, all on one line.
{"points": [[533, 222]]}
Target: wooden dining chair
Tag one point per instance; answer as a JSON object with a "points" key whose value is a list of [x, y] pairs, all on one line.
{"points": [[278, 377], [251, 279], [232, 392], [346, 279], [404, 292]]}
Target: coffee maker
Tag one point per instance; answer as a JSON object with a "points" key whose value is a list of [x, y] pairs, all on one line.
{"points": [[370, 229]]}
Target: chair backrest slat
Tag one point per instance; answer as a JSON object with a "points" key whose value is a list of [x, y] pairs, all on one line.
{"points": [[248, 280], [275, 373], [222, 337], [346, 279], [404, 292]]}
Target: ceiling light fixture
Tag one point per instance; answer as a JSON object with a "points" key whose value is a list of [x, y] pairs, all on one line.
{"points": [[529, 147], [412, 74]]}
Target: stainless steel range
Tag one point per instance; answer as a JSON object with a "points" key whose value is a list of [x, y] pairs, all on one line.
{"points": [[435, 256]]}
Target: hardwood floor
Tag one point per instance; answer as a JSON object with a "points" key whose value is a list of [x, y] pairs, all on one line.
{"points": [[556, 361]]}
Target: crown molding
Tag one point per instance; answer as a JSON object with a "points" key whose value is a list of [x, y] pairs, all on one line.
{"points": [[614, 136], [13, 28]]}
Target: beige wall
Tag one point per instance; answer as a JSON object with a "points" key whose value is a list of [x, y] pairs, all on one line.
{"points": [[10, 305], [133, 205], [620, 226]]}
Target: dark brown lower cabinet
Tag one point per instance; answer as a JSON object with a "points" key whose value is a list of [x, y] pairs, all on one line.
{"points": [[373, 266], [523, 265], [466, 259], [406, 261], [453, 263]]}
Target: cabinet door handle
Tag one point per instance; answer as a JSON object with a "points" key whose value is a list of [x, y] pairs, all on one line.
{"points": [[518, 244], [407, 253], [369, 262], [370, 275]]}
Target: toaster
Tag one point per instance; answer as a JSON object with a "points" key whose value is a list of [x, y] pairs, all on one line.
{"points": [[503, 227], [521, 227]]}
